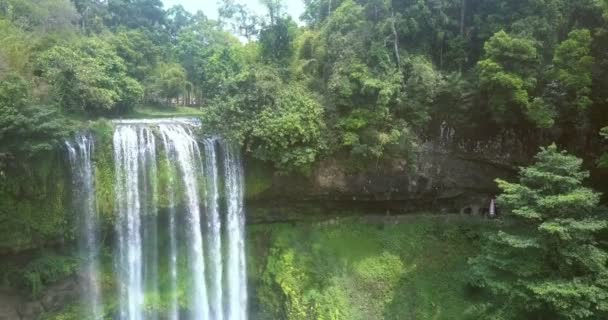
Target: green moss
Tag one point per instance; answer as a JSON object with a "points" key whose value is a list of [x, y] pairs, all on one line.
{"points": [[32, 277], [168, 175], [104, 168], [258, 178], [33, 201]]}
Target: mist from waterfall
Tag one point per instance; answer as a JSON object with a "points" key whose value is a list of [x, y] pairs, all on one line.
{"points": [[83, 189], [179, 223]]}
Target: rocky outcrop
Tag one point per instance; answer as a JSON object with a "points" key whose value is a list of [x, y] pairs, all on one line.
{"points": [[17, 306], [9, 305], [447, 176]]}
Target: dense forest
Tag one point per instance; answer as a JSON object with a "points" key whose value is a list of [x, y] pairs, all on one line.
{"points": [[369, 80]]}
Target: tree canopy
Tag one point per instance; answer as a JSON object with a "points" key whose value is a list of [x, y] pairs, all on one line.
{"points": [[549, 262], [384, 75]]}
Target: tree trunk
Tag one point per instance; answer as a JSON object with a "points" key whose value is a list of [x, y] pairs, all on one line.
{"points": [[395, 41], [463, 11]]}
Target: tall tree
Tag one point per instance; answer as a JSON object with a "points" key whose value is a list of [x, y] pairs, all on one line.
{"points": [[26, 130], [89, 76], [548, 262], [573, 67], [147, 14], [177, 19], [170, 81], [507, 76], [241, 19]]}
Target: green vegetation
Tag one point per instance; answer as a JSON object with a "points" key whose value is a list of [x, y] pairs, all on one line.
{"points": [[362, 77], [551, 263], [46, 268], [352, 269], [34, 204], [366, 80]]}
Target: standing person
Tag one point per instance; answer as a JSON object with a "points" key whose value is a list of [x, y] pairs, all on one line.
{"points": [[492, 210]]}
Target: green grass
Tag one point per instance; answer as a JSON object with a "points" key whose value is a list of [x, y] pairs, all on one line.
{"points": [[414, 269], [163, 112]]}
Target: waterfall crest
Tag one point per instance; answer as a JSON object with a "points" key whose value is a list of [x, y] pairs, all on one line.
{"points": [[179, 223]]}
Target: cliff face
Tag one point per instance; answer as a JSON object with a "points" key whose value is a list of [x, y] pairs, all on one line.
{"points": [[34, 202], [448, 176], [15, 305]]}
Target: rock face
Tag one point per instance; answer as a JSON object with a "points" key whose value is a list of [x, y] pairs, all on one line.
{"points": [[447, 177], [9, 303], [16, 306]]}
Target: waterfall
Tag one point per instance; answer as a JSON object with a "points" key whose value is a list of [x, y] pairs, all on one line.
{"points": [[83, 188], [179, 223], [187, 155], [213, 227], [237, 289], [127, 150], [173, 313]]}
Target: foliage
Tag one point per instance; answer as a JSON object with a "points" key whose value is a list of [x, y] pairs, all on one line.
{"points": [[26, 130], [356, 270], [15, 52], [276, 122], [33, 202], [276, 40], [366, 78], [41, 271], [209, 56], [550, 263], [240, 18], [290, 133], [138, 51], [383, 73], [104, 169], [90, 76], [39, 15], [507, 75], [138, 13], [574, 64], [170, 81]]}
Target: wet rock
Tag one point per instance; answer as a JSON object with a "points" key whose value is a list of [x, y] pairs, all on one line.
{"points": [[8, 306], [30, 310], [59, 295], [441, 179]]}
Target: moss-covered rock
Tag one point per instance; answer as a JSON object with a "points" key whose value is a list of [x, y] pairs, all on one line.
{"points": [[34, 202], [258, 177], [104, 168]]}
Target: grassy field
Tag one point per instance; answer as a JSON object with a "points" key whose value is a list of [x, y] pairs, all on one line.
{"points": [[163, 112]]}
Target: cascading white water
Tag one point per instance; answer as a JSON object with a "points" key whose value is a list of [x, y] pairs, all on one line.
{"points": [[212, 289], [83, 188], [186, 150], [127, 150], [149, 199], [210, 171], [173, 312], [237, 281]]}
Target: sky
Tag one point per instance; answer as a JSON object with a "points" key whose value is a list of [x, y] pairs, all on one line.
{"points": [[209, 7]]}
